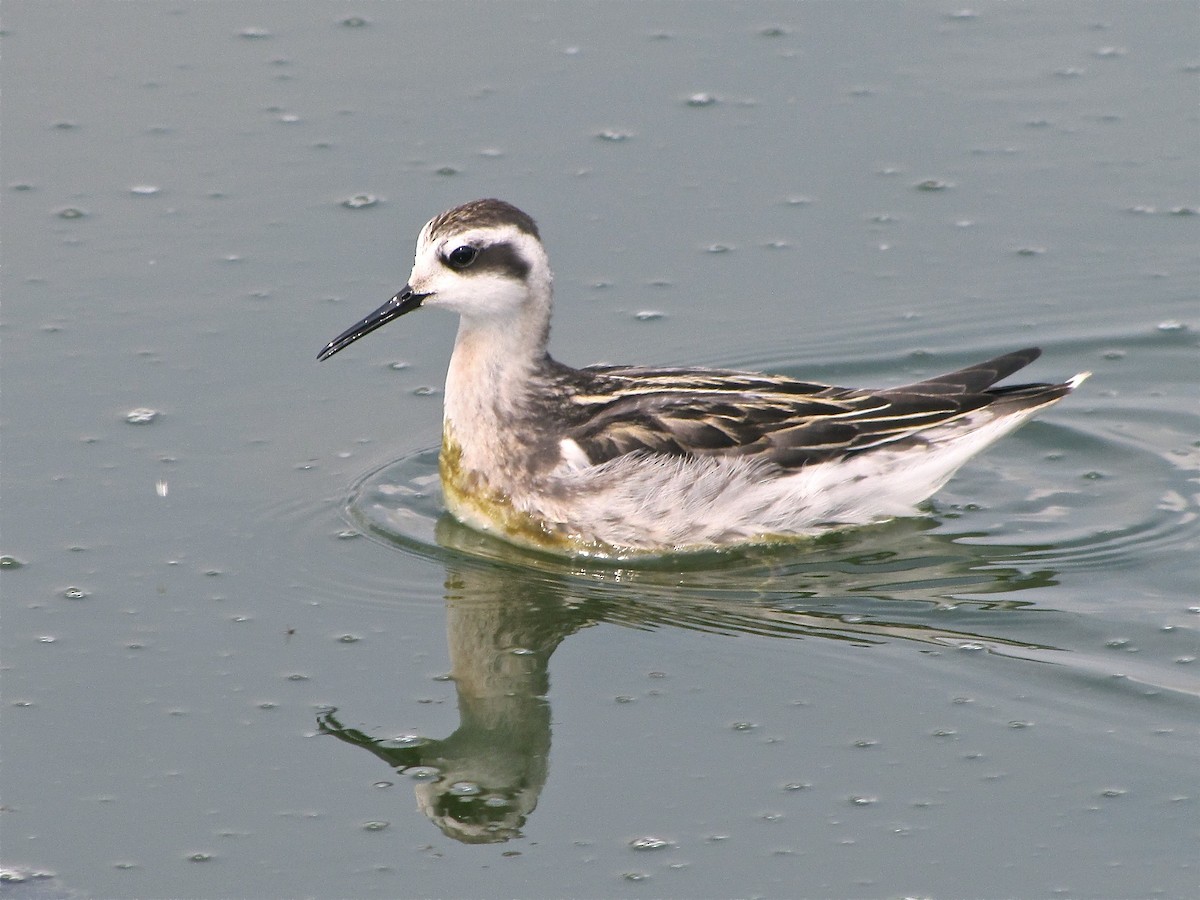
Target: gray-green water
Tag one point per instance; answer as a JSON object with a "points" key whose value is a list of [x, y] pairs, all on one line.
{"points": [[227, 630]]}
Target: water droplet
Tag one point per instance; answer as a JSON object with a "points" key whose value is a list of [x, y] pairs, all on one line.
{"points": [[142, 415], [701, 99], [360, 201], [71, 212], [649, 842], [717, 248], [614, 136], [74, 593], [933, 184], [349, 639], [649, 315], [744, 726], [47, 639], [464, 789], [375, 826], [10, 562], [199, 857], [383, 785]]}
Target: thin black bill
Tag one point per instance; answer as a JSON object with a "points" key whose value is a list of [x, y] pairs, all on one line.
{"points": [[404, 302]]}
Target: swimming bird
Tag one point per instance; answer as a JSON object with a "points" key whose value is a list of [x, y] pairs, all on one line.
{"points": [[620, 460]]}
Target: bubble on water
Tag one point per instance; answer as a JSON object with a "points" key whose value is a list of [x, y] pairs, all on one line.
{"points": [[718, 248], [70, 212], [10, 562], [625, 698], [1171, 325], [797, 786], [349, 639], [199, 857], [635, 876], [1110, 52], [1111, 793], [142, 415], [1019, 723], [145, 190], [649, 315], [863, 801], [360, 201], [1184, 211], [297, 676], [375, 826], [798, 200], [254, 34], [650, 842], [47, 639], [75, 593], [464, 789], [613, 135], [865, 744], [972, 646], [933, 184], [744, 726], [701, 99], [354, 22]]}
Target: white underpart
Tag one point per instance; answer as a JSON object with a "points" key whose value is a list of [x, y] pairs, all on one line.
{"points": [[665, 502]]}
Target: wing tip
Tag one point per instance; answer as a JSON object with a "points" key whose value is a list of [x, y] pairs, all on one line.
{"points": [[1076, 380]]}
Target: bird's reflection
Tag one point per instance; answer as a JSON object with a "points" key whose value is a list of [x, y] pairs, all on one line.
{"points": [[506, 612]]}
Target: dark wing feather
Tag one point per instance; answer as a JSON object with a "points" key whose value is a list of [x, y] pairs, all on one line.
{"points": [[788, 423]]}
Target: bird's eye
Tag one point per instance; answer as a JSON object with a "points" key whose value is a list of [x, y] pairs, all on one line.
{"points": [[461, 257]]}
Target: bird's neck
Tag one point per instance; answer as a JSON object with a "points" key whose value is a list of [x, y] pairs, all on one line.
{"points": [[492, 371]]}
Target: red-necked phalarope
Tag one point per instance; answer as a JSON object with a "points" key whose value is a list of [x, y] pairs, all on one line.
{"points": [[608, 460]]}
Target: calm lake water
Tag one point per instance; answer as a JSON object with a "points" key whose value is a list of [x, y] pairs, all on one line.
{"points": [[245, 654]]}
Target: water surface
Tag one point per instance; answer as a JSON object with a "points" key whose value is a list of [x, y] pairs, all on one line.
{"points": [[231, 622]]}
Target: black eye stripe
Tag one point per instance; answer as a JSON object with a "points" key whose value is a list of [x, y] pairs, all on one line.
{"points": [[496, 259]]}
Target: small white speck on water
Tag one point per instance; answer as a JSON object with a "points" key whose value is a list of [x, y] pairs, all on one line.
{"points": [[360, 201], [701, 99], [649, 315], [145, 190], [650, 842], [142, 415]]}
